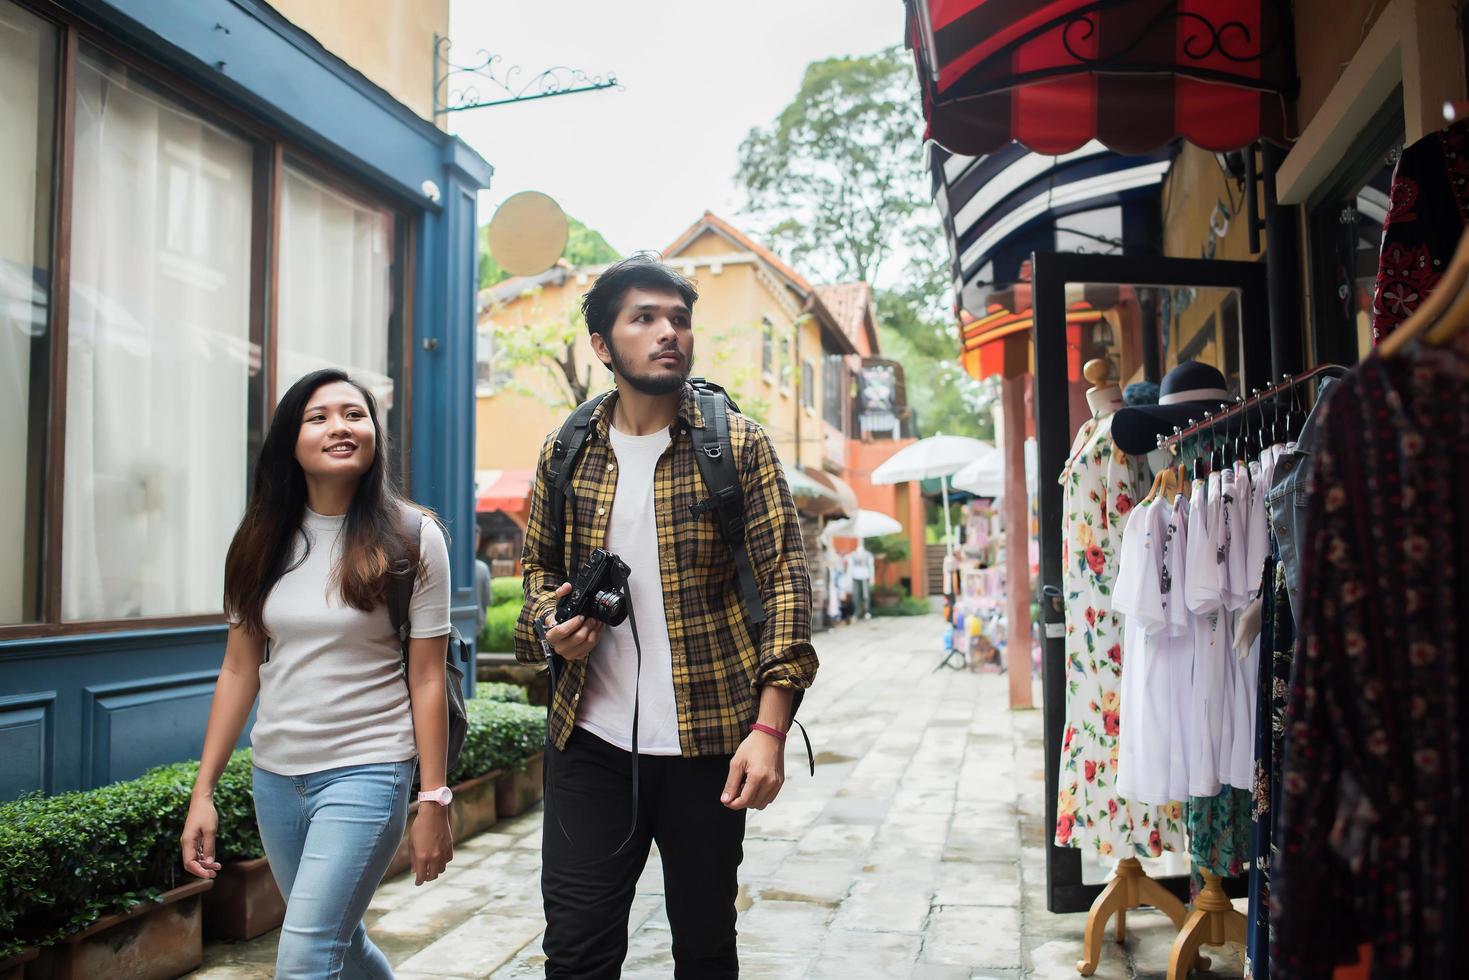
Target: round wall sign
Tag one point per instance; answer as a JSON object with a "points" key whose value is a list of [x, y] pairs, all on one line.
{"points": [[528, 233]]}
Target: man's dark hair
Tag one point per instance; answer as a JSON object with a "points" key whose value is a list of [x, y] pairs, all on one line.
{"points": [[643, 270]]}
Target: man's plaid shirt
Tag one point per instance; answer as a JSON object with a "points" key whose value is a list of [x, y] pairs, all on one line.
{"points": [[718, 665]]}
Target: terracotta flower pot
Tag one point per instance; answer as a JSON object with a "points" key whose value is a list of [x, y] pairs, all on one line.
{"points": [[14, 967], [518, 790], [244, 902], [155, 941], [473, 810]]}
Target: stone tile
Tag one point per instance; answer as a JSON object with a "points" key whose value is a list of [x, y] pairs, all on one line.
{"points": [[846, 954], [1056, 960], [475, 948], [979, 883], [973, 936], [832, 839], [884, 904]]}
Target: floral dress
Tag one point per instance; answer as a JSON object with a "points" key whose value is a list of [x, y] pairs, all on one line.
{"points": [[1098, 491]]}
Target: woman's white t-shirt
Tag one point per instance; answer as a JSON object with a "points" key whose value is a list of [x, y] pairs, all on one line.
{"points": [[332, 692]]}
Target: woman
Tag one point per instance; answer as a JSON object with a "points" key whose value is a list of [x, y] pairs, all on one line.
{"points": [[338, 730]]}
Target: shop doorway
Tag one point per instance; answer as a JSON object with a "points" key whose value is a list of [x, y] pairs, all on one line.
{"points": [[1143, 315]]}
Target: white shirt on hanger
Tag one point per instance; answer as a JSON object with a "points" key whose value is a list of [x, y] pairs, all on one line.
{"points": [[1210, 651]]}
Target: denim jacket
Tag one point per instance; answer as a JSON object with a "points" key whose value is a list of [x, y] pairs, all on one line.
{"points": [[1287, 498]]}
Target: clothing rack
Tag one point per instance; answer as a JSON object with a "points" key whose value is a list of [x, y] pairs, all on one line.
{"points": [[1288, 385]]}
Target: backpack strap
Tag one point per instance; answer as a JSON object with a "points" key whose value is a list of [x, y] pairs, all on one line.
{"points": [[402, 573], [714, 453], [568, 445]]}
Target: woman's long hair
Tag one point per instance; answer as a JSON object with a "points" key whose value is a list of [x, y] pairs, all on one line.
{"points": [[265, 540]]}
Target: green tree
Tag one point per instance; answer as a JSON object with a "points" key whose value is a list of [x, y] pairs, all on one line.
{"points": [[839, 177], [584, 246], [840, 181], [548, 342]]}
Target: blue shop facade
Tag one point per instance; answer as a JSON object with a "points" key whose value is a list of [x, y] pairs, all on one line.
{"points": [[198, 204]]}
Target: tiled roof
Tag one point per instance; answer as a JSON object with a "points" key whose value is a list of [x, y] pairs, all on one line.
{"points": [[710, 220], [850, 304]]}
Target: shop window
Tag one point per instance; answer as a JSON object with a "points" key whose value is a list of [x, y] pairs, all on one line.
{"points": [[129, 475], [833, 400], [158, 365], [28, 49], [767, 347], [336, 287], [808, 385], [1346, 240], [490, 375]]}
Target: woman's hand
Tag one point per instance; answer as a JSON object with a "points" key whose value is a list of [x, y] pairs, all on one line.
{"points": [[197, 843], [433, 845]]}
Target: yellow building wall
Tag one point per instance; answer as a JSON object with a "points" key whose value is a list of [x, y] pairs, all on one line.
{"points": [[390, 41], [1195, 186], [512, 425]]}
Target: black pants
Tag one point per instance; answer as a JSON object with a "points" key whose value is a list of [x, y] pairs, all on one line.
{"points": [[588, 884]]}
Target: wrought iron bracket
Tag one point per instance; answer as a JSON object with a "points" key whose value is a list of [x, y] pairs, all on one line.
{"points": [[504, 85]]}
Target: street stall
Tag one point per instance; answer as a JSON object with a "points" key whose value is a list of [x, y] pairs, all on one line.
{"points": [[1043, 117]]}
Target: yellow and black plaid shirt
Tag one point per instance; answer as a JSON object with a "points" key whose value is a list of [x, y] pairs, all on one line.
{"points": [[718, 665]]}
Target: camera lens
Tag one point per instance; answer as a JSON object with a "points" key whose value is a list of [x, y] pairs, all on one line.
{"points": [[610, 606]]}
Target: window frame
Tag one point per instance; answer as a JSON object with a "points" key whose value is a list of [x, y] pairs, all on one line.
{"points": [[767, 349], [271, 148]]}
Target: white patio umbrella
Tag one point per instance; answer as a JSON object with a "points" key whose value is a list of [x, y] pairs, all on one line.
{"points": [[985, 477], [867, 524], [937, 456]]}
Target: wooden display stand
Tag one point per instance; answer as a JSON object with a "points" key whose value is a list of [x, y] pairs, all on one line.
{"points": [[1214, 921], [1130, 888]]}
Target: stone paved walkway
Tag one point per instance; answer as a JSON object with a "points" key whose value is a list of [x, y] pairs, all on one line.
{"points": [[916, 851]]}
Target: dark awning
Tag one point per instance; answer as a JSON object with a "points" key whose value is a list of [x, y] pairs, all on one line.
{"points": [[1132, 74]]}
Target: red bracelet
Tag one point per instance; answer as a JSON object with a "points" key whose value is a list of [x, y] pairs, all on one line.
{"points": [[757, 727]]}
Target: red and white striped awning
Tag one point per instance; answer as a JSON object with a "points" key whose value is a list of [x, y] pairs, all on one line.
{"points": [[1132, 74], [503, 490]]}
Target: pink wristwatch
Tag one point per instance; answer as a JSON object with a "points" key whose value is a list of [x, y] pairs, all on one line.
{"points": [[441, 796]]}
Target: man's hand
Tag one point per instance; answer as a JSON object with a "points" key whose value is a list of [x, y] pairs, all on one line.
{"points": [[756, 773], [575, 638], [431, 842]]}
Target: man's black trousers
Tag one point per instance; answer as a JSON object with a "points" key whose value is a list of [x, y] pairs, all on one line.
{"points": [[588, 884]]}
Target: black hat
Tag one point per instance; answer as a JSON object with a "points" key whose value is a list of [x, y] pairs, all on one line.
{"points": [[1187, 392]]}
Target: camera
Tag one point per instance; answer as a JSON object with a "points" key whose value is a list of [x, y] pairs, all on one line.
{"points": [[599, 591]]}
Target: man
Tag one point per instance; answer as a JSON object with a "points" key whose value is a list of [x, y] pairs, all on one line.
{"points": [[860, 567], [481, 587], [715, 696]]}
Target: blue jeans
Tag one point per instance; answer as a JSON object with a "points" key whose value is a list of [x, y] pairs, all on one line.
{"points": [[329, 836]]}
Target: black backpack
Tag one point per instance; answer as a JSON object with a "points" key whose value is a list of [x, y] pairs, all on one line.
{"points": [[400, 596], [715, 457]]}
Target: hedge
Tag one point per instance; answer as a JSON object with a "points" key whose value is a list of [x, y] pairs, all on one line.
{"points": [[499, 631], [907, 606], [497, 691], [70, 859], [501, 736], [506, 590]]}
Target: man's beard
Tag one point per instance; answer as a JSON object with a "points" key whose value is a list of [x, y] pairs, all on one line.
{"points": [[650, 384]]}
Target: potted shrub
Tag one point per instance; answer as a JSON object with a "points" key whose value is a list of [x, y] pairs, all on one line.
{"points": [[499, 762], [245, 901], [92, 879]]}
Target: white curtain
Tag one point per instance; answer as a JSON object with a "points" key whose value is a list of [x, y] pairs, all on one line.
{"points": [[335, 286], [27, 119], [158, 359]]}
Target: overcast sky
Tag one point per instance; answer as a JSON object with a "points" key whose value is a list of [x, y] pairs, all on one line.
{"points": [[641, 164]]}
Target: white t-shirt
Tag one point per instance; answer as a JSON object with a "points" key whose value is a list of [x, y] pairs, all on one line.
{"points": [[608, 699], [332, 693], [860, 565], [1152, 764], [1211, 642]]}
